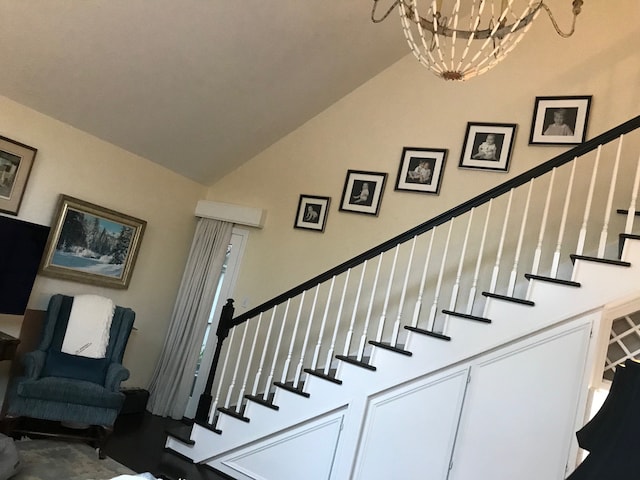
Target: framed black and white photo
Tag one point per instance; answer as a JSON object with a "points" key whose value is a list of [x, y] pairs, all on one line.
{"points": [[488, 146], [560, 120], [16, 160], [362, 192], [312, 212], [92, 244], [421, 170]]}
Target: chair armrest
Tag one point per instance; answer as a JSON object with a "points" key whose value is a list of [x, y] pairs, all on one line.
{"points": [[116, 373], [33, 363]]}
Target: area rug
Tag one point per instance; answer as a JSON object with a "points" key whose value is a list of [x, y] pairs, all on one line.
{"points": [[58, 460]]}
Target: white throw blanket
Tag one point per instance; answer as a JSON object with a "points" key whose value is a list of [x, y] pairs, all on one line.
{"points": [[87, 333]]}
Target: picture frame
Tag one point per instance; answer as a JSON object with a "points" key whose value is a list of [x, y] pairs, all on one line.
{"points": [[488, 146], [92, 244], [421, 170], [16, 161], [362, 192], [560, 120], [312, 213]]}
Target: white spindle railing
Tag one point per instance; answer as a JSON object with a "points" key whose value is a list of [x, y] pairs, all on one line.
{"points": [[481, 255]]}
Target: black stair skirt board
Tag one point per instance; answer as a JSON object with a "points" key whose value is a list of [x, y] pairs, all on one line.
{"points": [[622, 238], [265, 403], [569, 283], [354, 361], [521, 301], [466, 316], [289, 387], [439, 336], [388, 346], [620, 263], [626, 212], [331, 376], [231, 411], [182, 433]]}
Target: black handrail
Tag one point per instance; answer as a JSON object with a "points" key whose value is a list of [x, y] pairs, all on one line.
{"points": [[517, 181]]}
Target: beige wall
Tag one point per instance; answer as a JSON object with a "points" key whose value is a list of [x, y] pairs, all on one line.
{"points": [[407, 106], [74, 163]]}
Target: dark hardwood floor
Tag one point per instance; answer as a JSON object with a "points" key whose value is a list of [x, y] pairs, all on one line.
{"points": [[138, 442]]}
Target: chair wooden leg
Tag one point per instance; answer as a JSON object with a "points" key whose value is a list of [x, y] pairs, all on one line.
{"points": [[103, 435], [9, 424]]}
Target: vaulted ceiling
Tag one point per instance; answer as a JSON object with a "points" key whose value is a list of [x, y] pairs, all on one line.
{"points": [[199, 86]]}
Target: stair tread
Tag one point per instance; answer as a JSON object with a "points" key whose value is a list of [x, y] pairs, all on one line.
{"points": [[290, 388], [625, 212], [319, 372], [353, 360], [429, 333], [393, 348], [608, 261], [467, 316], [507, 298], [231, 411], [182, 433], [570, 283], [259, 399], [210, 426]]}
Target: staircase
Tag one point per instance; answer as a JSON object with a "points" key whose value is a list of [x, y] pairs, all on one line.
{"points": [[460, 349]]}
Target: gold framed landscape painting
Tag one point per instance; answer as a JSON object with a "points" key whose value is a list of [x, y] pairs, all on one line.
{"points": [[92, 244], [16, 160]]}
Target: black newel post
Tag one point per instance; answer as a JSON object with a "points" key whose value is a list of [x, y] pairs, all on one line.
{"points": [[225, 324]]}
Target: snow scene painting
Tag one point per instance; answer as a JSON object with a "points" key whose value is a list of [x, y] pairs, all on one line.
{"points": [[93, 244]]}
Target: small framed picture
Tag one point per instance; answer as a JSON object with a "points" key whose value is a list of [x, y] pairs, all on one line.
{"points": [[16, 160], [487, 146], [312, 213], [363, 192], [560, 120], [92, 244], [421, 170]]}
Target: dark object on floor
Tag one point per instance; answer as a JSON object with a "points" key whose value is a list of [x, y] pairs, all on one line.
{"points": [[612, 434], [135, 400]]}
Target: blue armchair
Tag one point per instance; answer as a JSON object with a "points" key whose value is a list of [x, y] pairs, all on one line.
{"points": [[67, 388]]}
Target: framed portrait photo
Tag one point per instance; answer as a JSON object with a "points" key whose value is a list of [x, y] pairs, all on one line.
{"points": [[92, 244], [312, 212], [16, 160], [362, 192], [488, 146], [421, 170], [560, 120]]}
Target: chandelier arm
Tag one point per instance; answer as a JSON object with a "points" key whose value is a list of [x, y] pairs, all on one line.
{"points": [[386, 14], [577, 4]]}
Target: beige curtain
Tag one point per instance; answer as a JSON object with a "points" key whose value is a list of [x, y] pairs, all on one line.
{"points": [[174, 374]]}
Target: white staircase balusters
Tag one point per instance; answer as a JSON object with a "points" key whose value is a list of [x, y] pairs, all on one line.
{"points": [[266, 342], [403, 294], [474, 284], [227, 402], [456, 286], [223, 371], [365, 330], [587, 206], [525, 215], [276, 352], [287, 362], [496, 267], [541, 232], [296, 377], [423, 281], [316, 352], [563, 222], [327, 365], [631, 212], [249, 361], [434, 307], [354, 312], [607, 212], [383, 315]]}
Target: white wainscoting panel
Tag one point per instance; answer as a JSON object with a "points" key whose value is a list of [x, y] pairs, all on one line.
{"points": [[304, 452], [409, 431]]}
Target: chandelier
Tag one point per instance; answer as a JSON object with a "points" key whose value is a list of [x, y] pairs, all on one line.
{"points": [[460, 39]]}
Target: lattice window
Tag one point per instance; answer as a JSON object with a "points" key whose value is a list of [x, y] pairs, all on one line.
{"points": [[624, 342]]}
